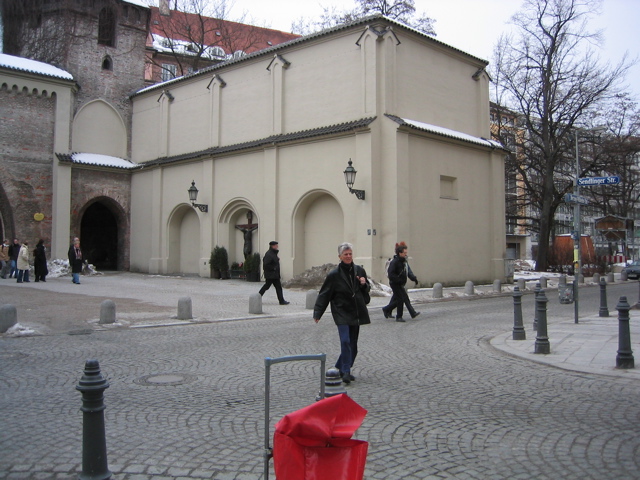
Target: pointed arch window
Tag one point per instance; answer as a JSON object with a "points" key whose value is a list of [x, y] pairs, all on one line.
{"points": [[107, 63], [107, 27]]}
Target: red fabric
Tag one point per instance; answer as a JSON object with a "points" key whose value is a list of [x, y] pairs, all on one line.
{"points": [[314, 443]]}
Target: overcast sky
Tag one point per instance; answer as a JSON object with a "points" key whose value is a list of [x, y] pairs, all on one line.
{"points": [[472, 25]]}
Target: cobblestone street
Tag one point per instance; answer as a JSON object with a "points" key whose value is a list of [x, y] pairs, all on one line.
{"points": [[187, 402]]}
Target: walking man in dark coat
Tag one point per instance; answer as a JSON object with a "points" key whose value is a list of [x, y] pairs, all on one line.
{"points": [[346, 289], [271, 267]]}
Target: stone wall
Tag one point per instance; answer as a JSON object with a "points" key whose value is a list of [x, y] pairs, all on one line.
{"points": [[26, 148]]}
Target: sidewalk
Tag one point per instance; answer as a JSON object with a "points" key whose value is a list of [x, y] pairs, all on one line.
{"points": [[145, 301], [589, 346]]}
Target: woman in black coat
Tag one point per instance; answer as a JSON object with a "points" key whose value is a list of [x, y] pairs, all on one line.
{"points": [[346, 288], [40, 262]]}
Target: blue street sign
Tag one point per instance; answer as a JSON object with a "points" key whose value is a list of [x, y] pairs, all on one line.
{"points": [[573, 198], [588, 181]]}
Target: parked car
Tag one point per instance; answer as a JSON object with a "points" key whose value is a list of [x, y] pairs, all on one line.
{"points": [[633, 269]]}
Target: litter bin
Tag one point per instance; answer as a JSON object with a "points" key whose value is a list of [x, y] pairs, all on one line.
{"points": [[314, 443], [565, 292]]}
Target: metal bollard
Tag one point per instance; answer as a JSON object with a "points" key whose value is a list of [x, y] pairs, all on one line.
{"points": [[518, 327], [604, 309], [332, 384], [542, 340], [94, 445], [535, 308], [624, 359], [638, 302]]}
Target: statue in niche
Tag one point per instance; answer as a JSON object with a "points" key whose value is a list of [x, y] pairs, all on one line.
{"points": [[247, 232]]}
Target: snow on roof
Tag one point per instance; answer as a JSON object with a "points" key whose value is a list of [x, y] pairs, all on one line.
{"points": [[449, 133], [140, 3], [26, 65], [101, 160]]}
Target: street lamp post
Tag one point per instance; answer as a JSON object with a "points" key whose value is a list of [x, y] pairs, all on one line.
{"points": [[577, 258]]}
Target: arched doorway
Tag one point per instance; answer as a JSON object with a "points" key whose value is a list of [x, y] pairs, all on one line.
{"points": [[319, 229], [101, 244], [184, 241]]}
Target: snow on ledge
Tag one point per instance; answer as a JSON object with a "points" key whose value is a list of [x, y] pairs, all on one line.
{"points": [[31, 66], [451, 133], [101, 160]]}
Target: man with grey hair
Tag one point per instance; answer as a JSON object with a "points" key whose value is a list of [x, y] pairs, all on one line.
{"points": [[346, 288]]}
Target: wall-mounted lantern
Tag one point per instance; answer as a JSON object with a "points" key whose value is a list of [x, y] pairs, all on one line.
{"points": [[193, 196], [350, 179]]}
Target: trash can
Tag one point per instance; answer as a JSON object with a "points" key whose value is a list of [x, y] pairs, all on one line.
{"points": [[565, 292], [314, 443]]}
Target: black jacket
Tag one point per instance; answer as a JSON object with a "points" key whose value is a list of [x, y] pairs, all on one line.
{"points": [[271, 265], [399, 270], [346, 295]]}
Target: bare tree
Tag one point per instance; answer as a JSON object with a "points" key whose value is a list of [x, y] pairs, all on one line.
{"points": [[619, 151], [551, 77], [403, 11], [198, 33]]}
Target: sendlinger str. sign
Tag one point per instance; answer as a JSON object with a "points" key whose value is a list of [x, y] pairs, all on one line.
{"points": [[598, 181]]}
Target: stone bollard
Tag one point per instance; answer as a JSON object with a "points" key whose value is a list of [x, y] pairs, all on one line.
{"points": [[469, 289], [604, 309], [522, 284], [333, 383], [497, 286], [94, 444], [437, 291], [8, 317], [312, 296], [543, 282], [624, 359], [596, 278], [624, 276], [537, 291], [611, 277], [518, 327], [562, 280], [542, 340], [107, 312], [184, 308], [255, 303]]}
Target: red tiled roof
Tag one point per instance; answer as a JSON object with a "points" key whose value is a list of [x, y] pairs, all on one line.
{"points": [[231, 36]]}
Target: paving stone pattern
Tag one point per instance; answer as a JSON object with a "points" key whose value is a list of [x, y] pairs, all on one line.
{"points": [[187, 402]]}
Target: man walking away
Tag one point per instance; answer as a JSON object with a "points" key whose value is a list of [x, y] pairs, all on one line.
{"points": [[271, 268]]}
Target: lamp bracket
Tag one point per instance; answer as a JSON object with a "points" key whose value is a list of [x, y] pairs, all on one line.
{"points": [[201, 207], [358, 193]]}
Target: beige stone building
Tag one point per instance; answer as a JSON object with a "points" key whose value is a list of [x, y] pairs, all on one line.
{"points": [[272, 134]]}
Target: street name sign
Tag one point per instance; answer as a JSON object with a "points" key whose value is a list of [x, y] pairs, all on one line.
{"points": [[588, 181], [573, 198]]}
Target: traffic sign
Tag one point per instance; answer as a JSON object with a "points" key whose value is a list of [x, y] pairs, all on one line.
{"points": [[588, 181], [573, 198]]}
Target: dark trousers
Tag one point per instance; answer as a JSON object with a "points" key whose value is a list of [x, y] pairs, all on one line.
{"points": [[276, 283], [348, 347], [398, 300], [23, 275]]}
